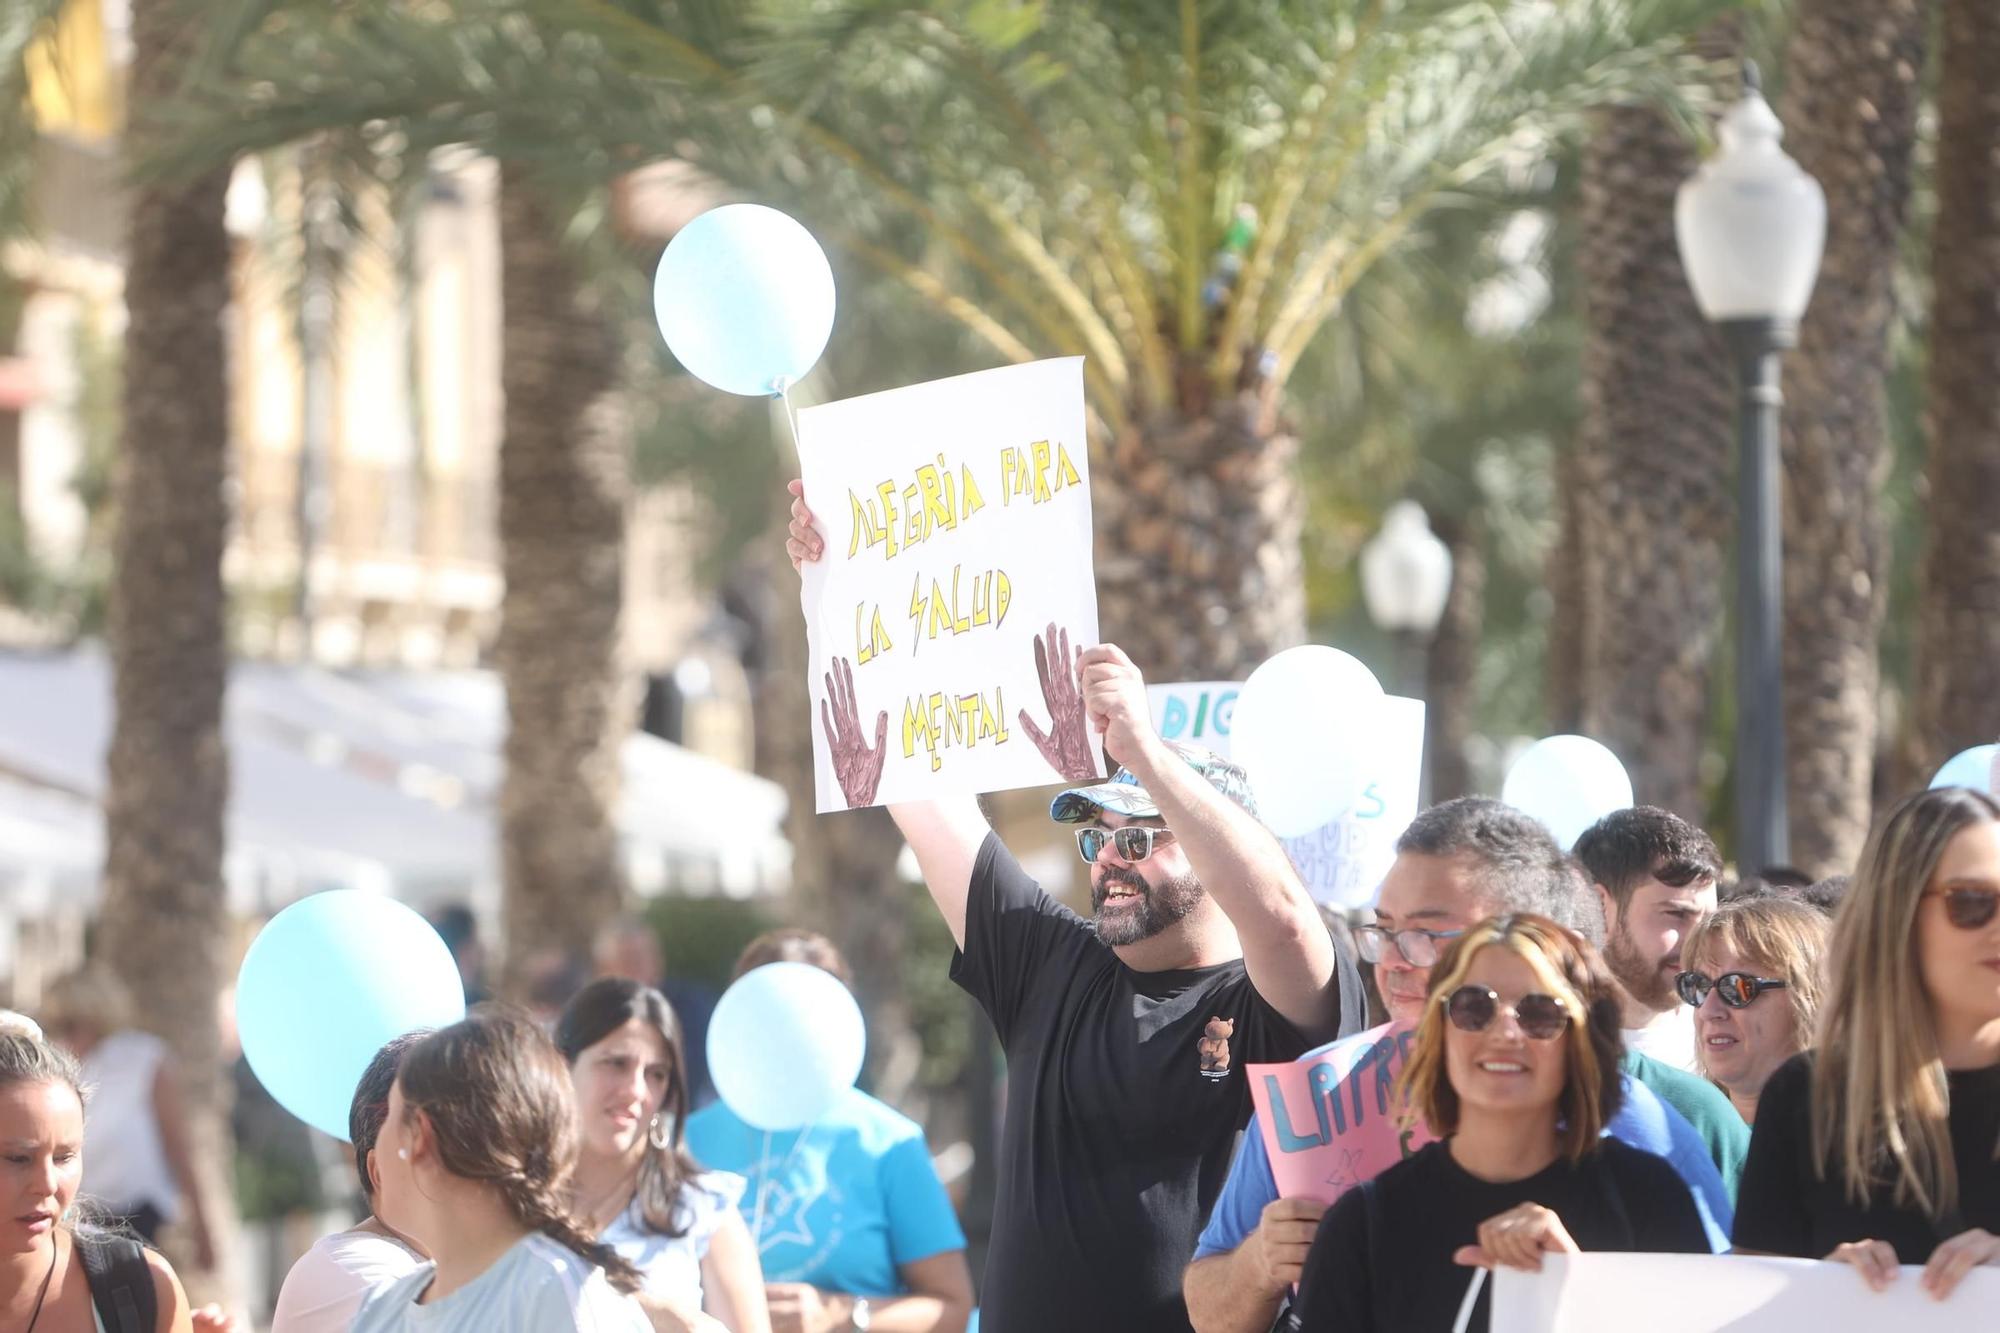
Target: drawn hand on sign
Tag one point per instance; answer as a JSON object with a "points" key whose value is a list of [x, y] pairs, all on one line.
{"points": [[1066, 744], [858, 768]]}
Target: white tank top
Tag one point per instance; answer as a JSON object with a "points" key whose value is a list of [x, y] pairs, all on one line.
{"points": [[124, 1165]]}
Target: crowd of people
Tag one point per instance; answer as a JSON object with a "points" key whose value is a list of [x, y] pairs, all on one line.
{"points": [[1595, 1048]]}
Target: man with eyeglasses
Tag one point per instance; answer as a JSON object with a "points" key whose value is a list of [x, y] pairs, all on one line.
{"points": [[1126, 1032], [1457, 864]]}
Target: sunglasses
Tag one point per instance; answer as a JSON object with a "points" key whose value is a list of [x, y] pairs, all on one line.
{"points": [[1967, 908], [1734, 989], [1473, 1009], [1134, 842], [1418, 947]]}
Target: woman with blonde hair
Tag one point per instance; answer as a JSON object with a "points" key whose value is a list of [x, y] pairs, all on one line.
{"points": [[1754, 981], [1516, 1068], [1879, 1147]]}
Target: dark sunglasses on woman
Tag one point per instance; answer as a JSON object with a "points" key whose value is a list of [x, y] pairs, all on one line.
{"points": [[1734, 989], [1473, 1009], [1966, 907]]}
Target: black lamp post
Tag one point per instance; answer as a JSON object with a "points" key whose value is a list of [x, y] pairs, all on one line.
{"points": [[1751, 225], [1405, 579]]}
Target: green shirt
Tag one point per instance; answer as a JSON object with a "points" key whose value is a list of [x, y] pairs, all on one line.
{"points": [[1704, 1106]]}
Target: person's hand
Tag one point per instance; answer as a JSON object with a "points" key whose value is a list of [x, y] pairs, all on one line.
{"points": [[212, 1319], [1951, 1261], [673, 1316], [1114, 698], [802, 539], [1874, 1259], [1066, 744], [1283, 1237], [800, 1307], [1517, 1238], [857, 767]]}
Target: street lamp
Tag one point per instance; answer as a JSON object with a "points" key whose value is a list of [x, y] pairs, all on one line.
{"points": [[1751, 225], [1405, 579]]}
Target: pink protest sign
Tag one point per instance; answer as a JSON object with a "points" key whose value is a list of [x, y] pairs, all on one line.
{"points": [[1334, 1119]]}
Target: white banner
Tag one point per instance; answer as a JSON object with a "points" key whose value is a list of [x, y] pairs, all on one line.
{"points": [[956, 589], [1699, 1293], [1195, 712], [1344, 862]]}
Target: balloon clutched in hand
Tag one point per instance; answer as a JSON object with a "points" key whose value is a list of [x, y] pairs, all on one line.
{"points": [[326, 984], [744, 297], [1304, 729], [1977, 768], [1569, 783], [785, 1041]]}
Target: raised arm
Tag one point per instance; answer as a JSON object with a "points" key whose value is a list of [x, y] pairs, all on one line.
{"points": [[1286, 948]]}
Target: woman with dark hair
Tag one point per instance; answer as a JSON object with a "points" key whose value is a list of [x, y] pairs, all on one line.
{"points": [[1878, 1147], [475, 1155], [327, 1284], [635, 1183], [54, 1274], [857, 1231], [1516, 1068]]}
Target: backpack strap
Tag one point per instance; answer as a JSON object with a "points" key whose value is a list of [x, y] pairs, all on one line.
{"points": [[121, 1282]]}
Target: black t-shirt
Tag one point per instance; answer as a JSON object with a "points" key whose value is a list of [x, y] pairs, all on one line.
{"points": [[1125, 1093], [1785, 1208], [1384, 1265]]}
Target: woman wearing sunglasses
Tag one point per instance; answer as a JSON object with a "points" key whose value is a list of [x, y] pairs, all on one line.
{"points": [[1878, 1148], [1516, 1066], [1753, 980]]}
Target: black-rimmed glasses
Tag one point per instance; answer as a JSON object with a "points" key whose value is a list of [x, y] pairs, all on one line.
{"points": [[1735, 989]]}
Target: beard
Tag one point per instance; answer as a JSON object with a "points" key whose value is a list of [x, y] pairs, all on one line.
{"points": [[1152, 911], [1642, 978]]}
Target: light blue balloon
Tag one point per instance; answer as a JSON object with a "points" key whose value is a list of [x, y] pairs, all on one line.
{"points": [[1976, 768], [785, 1041], [1569, 783], [326, 984], [744, 297]]}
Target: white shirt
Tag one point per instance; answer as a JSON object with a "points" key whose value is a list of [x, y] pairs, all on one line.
{"points": [[672, 1264], [537, 1286], [326, 1286], [124, 1164], [1670, 1039]]}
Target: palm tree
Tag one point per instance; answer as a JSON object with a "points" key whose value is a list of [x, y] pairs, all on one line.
{"points": [[165, 918], [1959, 617], [1852, 74], [1055, 179], [1653, 508], [564, 485]]}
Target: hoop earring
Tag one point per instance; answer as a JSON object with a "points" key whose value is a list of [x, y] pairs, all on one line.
{"points": [[660, 1133], [403, 1153]]}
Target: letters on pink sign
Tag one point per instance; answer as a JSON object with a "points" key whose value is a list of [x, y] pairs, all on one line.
{"points": [[1334, 1119]]}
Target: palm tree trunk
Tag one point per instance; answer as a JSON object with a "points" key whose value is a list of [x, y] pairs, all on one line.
{"points": [[564, 482], [1850, 107], [1653, 456], [1958, 647], [1199, 517], [1451, 676], [1564, 571], [165, 925]]}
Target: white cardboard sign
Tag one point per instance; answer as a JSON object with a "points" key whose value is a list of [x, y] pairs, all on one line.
{"points": [[1343, 863], [1195, 712]]}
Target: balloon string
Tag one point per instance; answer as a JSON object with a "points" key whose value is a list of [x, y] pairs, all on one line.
{"points": [[791, 416]]}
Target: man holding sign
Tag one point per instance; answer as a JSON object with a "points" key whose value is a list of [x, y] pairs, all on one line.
{"points": [[1455, 865], [1126, 1034]]}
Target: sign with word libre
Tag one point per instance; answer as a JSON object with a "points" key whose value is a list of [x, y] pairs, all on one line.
{"points": [[956, 591], [1333, 1119]]}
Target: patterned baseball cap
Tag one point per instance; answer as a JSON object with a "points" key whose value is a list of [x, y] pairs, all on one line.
{"points": [[1123, 795]]}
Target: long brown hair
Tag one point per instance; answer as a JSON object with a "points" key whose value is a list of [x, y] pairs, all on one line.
{"points": [[597, 1011], [1564, 962], [1881, 1105], [497, 1094]]}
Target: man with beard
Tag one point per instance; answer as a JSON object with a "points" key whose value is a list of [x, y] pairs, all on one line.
{"points": [[1126, 1034], [1655, 874]]}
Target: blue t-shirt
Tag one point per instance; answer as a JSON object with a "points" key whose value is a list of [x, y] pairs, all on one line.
{"points": [[1643, 1121], [844, 1203]]}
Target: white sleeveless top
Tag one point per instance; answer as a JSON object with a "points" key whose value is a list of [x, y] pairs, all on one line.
{"points": [[124, 1165], [671, 1265]]}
